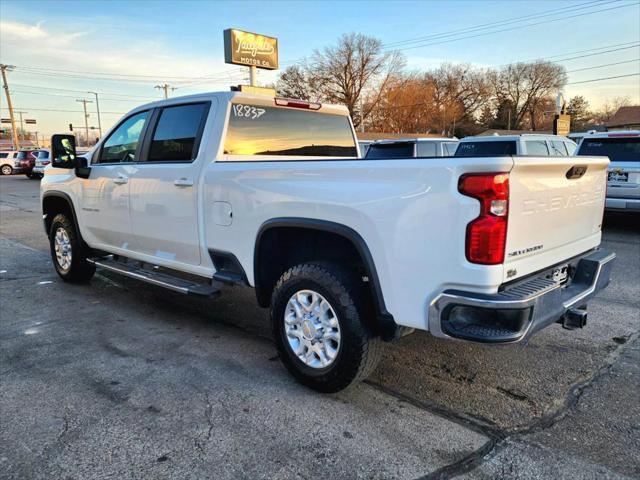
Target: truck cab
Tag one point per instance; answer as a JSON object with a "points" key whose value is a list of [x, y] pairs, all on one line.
{"points": [[414, 147], [523, 144]]}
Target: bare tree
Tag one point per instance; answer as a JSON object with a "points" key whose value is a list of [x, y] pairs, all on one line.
{"points": [[610, 107], [297, 82], [526, 86], [461, 91], [354, 68]]}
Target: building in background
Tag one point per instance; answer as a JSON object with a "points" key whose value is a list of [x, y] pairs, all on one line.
{"points": [[626, 118]]}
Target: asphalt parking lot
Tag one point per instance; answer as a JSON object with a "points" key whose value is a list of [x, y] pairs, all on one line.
{"points": [[119, 379]]}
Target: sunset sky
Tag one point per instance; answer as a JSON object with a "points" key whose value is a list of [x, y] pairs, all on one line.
{"points": [[61, 50]]}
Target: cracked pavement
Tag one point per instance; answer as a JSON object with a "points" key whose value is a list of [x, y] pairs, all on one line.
{"points": [[119, 379]]}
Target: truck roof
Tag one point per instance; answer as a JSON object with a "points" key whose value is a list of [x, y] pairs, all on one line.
{"points": [[614, 134], [262, 100], [420, 139], [515, 137]]}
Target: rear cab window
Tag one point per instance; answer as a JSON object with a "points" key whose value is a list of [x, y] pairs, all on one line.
{"points": [[390, 150], [264, 132], [536, 147], [486, 148], [622, 149], [427, 149], [558, 148], [449, 148]]}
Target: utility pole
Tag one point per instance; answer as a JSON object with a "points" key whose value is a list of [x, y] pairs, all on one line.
{"points": [[98, 110], [21, 112], [84, 102], [165, 87], [14, 131]]}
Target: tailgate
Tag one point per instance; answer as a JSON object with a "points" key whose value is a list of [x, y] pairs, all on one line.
{"points": [[555, 211]]}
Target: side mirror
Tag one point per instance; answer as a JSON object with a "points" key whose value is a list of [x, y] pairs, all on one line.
{"points": [[63, 151], [82, 168]]}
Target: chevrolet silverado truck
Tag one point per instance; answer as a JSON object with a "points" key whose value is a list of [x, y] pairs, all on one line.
{"points": [[196, 192]]}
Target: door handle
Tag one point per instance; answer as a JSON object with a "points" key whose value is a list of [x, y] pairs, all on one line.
{"points": [[121, 179], [183, 182]]}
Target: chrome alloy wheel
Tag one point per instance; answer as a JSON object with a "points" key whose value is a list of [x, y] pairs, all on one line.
{"points": [[312, 329], [62, 246]]}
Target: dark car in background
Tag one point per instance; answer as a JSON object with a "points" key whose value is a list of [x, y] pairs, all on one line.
{"points": [[623, 179], [25, 161]]}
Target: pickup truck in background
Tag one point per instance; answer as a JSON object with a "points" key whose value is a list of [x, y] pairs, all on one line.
{"points": [[521, 144], [623, 178], [412, 147], [229, 188]]}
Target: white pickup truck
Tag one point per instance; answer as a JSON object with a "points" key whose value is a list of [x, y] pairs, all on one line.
{"points": [[194, 192]]}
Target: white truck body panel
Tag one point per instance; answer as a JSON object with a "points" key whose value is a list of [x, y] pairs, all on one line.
{"points": [[409, 212]]}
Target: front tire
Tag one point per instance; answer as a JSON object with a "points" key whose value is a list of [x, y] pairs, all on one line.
{"points": [[318, 314], [6, 170], [68, 252]]}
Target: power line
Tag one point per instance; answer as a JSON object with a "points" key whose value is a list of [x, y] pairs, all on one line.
{"points": [[507, 21], [605, 78], [22, 92], [70, 111], [602, 66], [292, 62], [517, 27], [82, 91]]}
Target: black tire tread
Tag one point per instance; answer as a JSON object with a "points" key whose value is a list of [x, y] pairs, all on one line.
{"points": [[81, 271], [345, 286]]}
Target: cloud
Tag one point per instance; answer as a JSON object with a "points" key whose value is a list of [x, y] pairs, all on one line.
{"points": [[23, 31], [104, 51]]}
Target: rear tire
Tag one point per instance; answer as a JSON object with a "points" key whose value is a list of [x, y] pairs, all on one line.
{"points": [[68, 251], [6, 170], [331, 350]]}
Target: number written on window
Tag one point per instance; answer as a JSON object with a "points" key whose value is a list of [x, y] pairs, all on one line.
{"points": [[248, 111]]}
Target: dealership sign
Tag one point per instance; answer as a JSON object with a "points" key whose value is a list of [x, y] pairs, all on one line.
{"points": [[562, 124], [250, 49]]}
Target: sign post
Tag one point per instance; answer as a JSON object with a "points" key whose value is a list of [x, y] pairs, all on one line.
{"points": [[252, 50], [561, 120], [561, 124]]}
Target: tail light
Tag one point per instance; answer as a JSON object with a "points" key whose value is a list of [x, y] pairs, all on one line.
{"points": [[288, 102], [487, 234]]}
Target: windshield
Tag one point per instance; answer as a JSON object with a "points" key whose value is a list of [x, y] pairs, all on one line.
{"points": [[23, 155], [486, 149], [625, 149], [43, 155], [390, 150]]}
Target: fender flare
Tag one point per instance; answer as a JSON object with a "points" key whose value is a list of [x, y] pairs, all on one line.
{"points": [[386, 322], [72, 208]]}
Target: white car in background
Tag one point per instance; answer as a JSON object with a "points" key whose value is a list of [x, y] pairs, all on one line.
{"points": [[523, 144], [413, 148], [364, 145], [623, 178], [7, 159]]}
